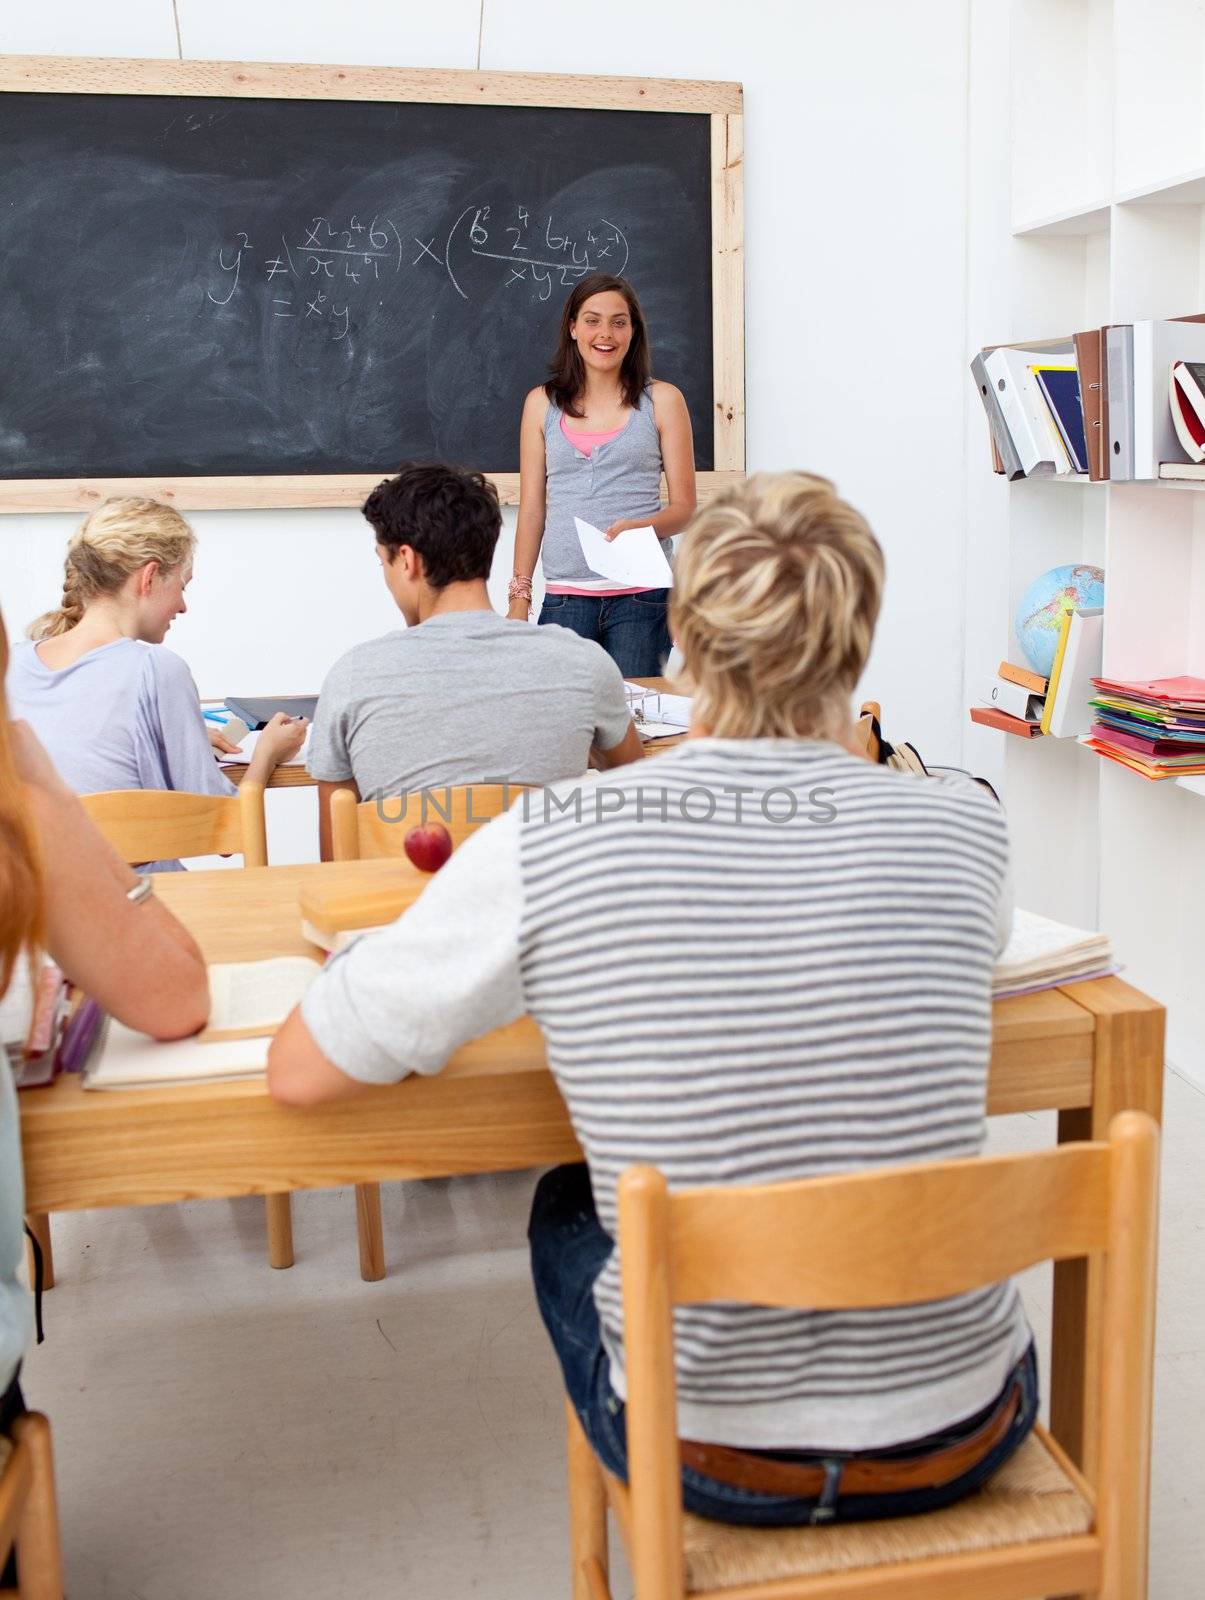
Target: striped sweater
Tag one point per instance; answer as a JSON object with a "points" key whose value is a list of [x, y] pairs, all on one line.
{"points": [[752, 961]]}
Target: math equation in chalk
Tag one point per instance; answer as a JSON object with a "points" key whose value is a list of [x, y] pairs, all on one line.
{"points": [[326, 273]]}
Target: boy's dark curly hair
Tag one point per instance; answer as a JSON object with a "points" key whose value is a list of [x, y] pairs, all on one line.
{"points": [[450, 517]]}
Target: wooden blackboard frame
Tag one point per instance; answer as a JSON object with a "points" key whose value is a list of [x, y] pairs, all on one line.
{"points": [[722, 102]]}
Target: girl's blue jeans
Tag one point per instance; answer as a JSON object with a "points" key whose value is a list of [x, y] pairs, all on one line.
{"points": [[632, 628]]}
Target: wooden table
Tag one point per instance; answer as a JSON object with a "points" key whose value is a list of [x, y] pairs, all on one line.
{"points": [[1086, 1051], [291, 776]]}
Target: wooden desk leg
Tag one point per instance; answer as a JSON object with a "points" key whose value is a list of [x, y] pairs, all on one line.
{"points": [[371, 1235], [38, 1223], [1127, 1076], [279, 1208]]}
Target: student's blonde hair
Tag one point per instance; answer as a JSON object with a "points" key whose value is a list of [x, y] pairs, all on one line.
{"points": [[115, 540], [777, 585]]}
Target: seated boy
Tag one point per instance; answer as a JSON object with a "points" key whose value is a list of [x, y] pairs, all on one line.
{"points": [[461, 695], [756, 959]]}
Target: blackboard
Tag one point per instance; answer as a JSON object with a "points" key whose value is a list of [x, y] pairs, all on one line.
{"points": [[234, 287]]}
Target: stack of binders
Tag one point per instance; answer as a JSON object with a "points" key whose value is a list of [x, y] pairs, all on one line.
{"points": [[1013, 702], [1155, 727], [1034, 409], [1095, 403]]}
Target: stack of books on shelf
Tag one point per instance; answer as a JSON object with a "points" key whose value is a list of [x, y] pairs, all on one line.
{"points": [[1119, 402], [1013, 702], [1155, 727], [1023, 702]]}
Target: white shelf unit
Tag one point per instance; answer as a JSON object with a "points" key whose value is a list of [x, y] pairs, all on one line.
{"points": [[1102, 116]]}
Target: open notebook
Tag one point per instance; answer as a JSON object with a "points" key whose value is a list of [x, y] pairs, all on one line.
{"points": [[248, 1002], [246, 750]]}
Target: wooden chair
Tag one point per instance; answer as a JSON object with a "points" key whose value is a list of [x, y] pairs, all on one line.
{"points": [[359, 832], [29, 1519], [890, 1237], [162, 824]]}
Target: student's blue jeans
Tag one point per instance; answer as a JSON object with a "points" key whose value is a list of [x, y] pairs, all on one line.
{"points": [[632, 628], [569, 1250]]}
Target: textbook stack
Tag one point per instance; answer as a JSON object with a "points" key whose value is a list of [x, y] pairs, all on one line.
{"points": [[1155, 728]]}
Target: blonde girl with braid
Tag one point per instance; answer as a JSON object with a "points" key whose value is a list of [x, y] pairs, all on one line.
{"points": [[114, 708]]}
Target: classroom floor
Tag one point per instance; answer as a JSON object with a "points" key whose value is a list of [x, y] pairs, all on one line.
{"points": [[226, 1432]]}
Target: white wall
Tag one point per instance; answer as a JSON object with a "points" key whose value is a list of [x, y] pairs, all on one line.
{"points": [[855, 187]]}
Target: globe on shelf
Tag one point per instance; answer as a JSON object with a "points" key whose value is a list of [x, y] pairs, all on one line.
{"points": [[1040, 615]]}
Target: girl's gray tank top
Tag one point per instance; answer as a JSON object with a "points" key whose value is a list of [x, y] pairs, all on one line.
{"points": [[618, 480]]}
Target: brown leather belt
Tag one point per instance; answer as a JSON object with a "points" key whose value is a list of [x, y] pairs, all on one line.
{"points": [[744, 1469]]}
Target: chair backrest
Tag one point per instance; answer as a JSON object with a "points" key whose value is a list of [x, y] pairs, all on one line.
{"points": [[889, 1237], [159, 824], [378, 827]]}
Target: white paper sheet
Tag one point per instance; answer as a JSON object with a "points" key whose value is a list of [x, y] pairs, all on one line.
{"points": [[635, 557], [247, 750]]}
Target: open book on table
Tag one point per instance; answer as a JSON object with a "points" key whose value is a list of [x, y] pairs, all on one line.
{"points": [[248, 1002], [1041, 954]]}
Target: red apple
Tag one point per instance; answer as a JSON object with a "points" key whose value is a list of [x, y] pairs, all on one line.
{"points": [[429, 846]]}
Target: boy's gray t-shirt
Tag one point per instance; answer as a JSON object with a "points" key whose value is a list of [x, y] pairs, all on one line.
{"points": [[466, 697]]}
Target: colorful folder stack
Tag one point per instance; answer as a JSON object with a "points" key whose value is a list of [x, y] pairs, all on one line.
{"points": [[1155, 727]]}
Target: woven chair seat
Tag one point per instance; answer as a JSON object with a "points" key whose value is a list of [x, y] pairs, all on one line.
{"points": [[1029, 1499]]}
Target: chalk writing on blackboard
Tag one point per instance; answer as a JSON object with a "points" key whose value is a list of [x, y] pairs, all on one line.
{"points": [[325, 272], [532, 249]]}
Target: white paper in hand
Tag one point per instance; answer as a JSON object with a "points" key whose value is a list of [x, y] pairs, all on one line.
{"points": [[635, 557]]}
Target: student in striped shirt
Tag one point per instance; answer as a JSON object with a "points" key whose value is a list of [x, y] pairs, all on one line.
{"points": [[755, 959]]}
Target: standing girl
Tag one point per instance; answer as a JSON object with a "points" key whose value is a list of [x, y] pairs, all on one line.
{"points": [[594, 442]]}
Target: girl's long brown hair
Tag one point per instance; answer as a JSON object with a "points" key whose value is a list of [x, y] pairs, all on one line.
{"points": [[567, 370], [21, 905]]}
